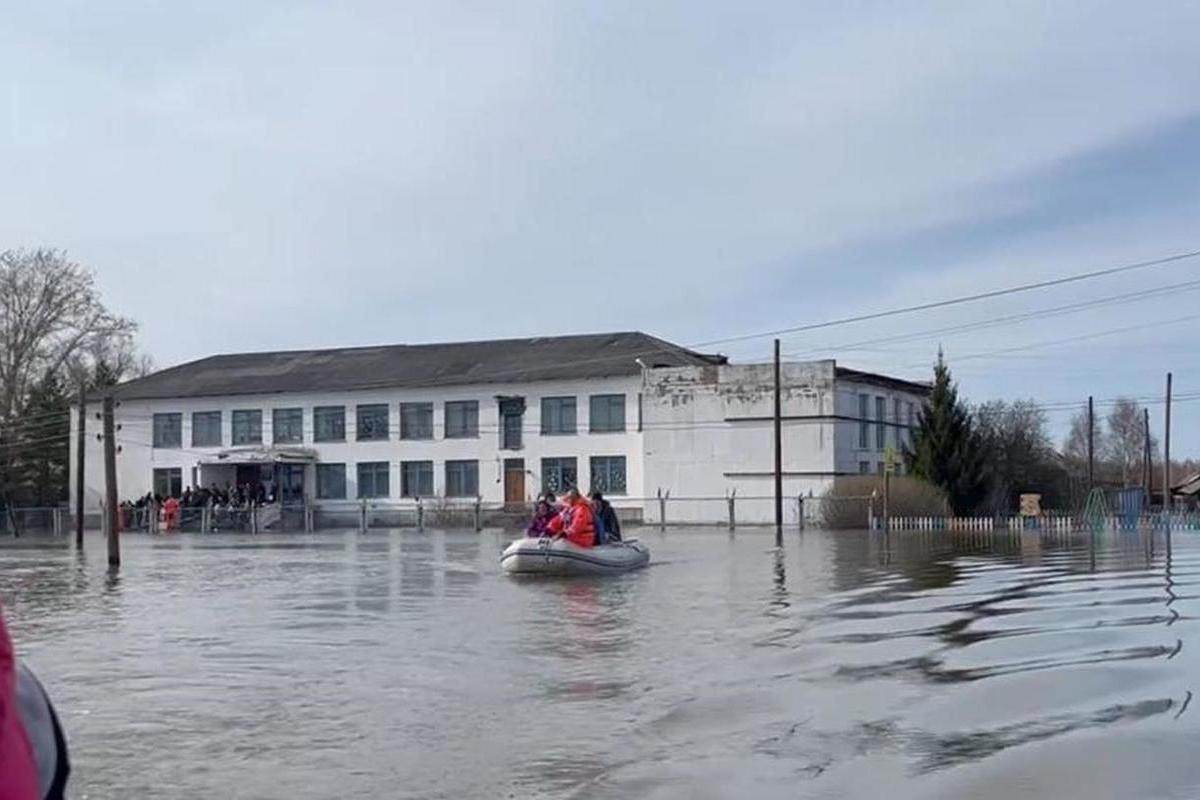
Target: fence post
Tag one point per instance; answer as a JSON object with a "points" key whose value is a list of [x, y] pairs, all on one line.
{"points": [[478, 514], [662, 509], [732, 499], [362, 515], [152, 516], [310, 516], [800, 511], [420, 514], [205, 519], [871, 512]]}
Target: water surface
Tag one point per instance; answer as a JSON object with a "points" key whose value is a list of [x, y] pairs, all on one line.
{"points": [[404, 664]]}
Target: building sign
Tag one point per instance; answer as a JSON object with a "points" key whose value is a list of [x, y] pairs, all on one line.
{"points": [[1031, 505]]}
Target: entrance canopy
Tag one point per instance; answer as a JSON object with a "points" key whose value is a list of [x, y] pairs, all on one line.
{"points": [[262, 455]]}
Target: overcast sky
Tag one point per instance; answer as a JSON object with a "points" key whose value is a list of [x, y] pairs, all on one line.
{"points": [[258, 175]]}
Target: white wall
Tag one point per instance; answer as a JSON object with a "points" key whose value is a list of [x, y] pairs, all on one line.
{"points": [[138, 459], [709, 432]]}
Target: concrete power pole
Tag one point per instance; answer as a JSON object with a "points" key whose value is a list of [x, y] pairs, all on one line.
{"points": [[778, 453], [1167, 451]]}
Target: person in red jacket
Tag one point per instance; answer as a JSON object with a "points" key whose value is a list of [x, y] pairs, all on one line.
{"points": [[575, 522]]}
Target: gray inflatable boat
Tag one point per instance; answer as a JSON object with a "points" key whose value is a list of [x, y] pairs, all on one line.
{"points": [[546, 556]]}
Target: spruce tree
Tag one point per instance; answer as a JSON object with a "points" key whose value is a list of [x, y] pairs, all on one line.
{"points": [[946, 449]]}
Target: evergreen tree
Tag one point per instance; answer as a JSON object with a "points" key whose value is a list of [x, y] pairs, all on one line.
{"points": [[40, 455], [946, 449]]}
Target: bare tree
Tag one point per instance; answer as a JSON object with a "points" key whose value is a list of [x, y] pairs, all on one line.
{"points": [[51, 317], [1126, 440], [1075, 448]]}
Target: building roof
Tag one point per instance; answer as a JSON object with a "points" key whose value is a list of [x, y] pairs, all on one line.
{"points": [[884, 381], [418, 365]]}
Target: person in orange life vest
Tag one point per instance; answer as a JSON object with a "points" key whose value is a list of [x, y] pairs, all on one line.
{"points": [[171, 513], [575, 522]]}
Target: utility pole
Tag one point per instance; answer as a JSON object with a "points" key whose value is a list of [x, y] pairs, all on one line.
{"points": [[110, 484], [80, 447], [1146, 469], [778, 453], [1167, 451], [1091, 445]]}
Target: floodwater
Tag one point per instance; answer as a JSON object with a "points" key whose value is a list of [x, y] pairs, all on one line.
{"points": [[404, 664]]}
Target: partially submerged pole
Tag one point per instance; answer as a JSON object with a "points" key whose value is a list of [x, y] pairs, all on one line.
{"points": [[778, 454], [80, 448], [110, 484], [1167, 451], [1091, 442]]}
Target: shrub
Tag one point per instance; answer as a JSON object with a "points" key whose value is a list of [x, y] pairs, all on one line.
{"points": [[845, 504]]}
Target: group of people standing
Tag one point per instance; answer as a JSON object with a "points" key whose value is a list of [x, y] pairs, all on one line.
{"points": [[583, 521]]}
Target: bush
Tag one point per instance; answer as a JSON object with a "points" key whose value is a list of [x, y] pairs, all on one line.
{"points": [[845, 504]]}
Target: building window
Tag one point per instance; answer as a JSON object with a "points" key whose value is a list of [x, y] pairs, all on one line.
{"points": [[287, 425], [168, 430], [512, 416], [912, 422], [329, 425], [608, 474], [168, 482], [331, 481], [864, 425], [880, 424], [606, 413], [897, 416], [372, 422], [462, 479], [416, 420], [559, 474], [247, 427], [373, 479], [864, 468], [880, 467], [416, 478], [206, 429], [462, 419], [558, 416]]}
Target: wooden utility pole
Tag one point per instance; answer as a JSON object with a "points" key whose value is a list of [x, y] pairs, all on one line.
{"points": [[1091, 445], [1167, 451], [110, 485], [778, 453], [80, 447], [1146, 468]]}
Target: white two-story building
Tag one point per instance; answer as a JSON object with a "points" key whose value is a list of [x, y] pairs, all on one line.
{"points": [[626, 413]]}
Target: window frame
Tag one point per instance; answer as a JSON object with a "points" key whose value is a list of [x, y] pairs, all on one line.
{"points": [[560, 403], [372, 408], [880, 422], [254, 415], [295, 413], [171, 474], [864, 421], [472, 473], [470, 412], [220, 438], [376, 471], [158, 437], [321, 471], [327, 414], [422, 406], [610, 427], [559, 462], [608, 462], [425, 469]]}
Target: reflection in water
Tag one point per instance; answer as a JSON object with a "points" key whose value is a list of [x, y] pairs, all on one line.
{"points": [[404, 664]]}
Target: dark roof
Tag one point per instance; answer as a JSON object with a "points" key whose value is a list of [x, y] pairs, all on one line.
{"points": [[885, 381], [419, 365]]}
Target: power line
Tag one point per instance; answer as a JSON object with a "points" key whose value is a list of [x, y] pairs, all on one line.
{"points": [[971, 298], [1008, 319]]}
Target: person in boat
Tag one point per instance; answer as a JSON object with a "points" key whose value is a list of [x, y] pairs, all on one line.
{"points": [[542, 514], [575, 522], [33, 749], [607, 516]]}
